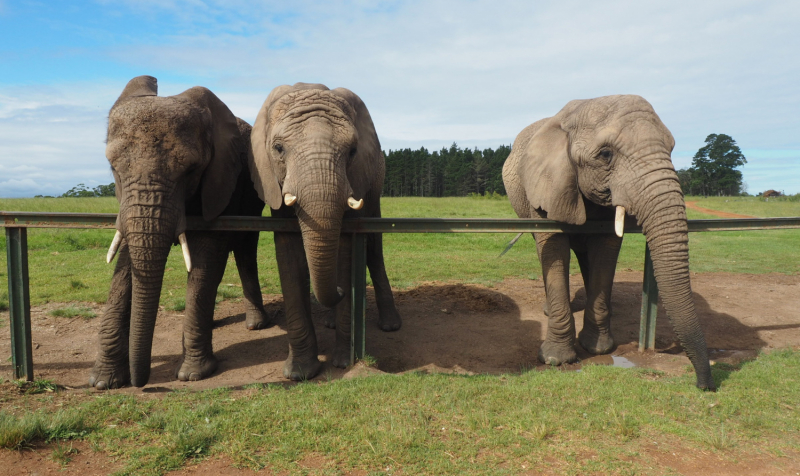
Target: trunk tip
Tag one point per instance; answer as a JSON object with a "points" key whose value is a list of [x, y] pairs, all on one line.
{"points": [[329, 300]]}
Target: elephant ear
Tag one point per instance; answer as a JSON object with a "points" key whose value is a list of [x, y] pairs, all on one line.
{"points": [[367, 168], [266, 179], [139, 86], [548, 175], [222, 172]]}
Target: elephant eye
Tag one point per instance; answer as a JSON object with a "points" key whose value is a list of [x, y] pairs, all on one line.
{"points": [[353, 152], [605, 154], [278, 148]]}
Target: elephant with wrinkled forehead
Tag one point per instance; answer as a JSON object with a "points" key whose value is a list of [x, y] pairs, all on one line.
{"points": [[600, 159], [316, 156], [173, 157]]}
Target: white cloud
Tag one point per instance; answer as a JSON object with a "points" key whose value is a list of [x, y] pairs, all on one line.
{"points": [[434, 72]]}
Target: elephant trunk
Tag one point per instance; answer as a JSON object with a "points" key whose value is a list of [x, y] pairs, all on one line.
{"points": [[662, 213], [149, 232], [322, 205]]}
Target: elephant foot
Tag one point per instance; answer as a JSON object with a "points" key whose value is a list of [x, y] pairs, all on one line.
{"points": [[104, 377], [389, 321], [299, 371], [193, 370], [258, 319], [596, 342], [329, 319], [557, 354], [341, 356]]}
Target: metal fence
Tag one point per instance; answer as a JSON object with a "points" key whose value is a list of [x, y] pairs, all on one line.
{"points": [[17, 223]]}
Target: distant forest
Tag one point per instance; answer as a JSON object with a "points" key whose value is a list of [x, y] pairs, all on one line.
{"points": [[452, 172]]}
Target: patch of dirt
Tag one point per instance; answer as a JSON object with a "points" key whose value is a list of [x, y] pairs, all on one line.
{"points": [[716, 213], [448, 327]]}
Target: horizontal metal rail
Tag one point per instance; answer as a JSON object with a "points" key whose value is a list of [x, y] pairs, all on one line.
{"points": [[390, 225], [16, 224]]}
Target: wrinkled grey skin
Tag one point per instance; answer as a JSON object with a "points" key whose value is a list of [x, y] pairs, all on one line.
{"points": [[320, 146], [579, 165], [174, 157]]}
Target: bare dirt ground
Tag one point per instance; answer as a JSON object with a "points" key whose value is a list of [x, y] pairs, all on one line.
{"points": [[717, 213], [460, 328]]}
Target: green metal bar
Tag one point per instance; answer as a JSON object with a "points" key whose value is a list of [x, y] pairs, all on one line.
{"points": [[390, 225], [358, 295], [647, 325], [19, 302]]}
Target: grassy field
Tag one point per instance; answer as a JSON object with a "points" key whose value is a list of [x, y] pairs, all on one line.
{"points": [[603, 420], [438, 424], [69, 265]]}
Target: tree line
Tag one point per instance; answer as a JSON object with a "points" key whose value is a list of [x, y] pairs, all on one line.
{"points": [[457, 172], [452, 172]]}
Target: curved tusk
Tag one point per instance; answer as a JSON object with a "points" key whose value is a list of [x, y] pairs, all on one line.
{"points": [[112, 250], [619, 221], [355, 204], [289, 199], [185, 248]]}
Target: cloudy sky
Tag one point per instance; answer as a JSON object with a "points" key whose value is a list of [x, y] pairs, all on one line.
{"points": [[431, 72]]}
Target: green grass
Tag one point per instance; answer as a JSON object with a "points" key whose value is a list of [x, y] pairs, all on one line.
{"points": [[69, 265], [417, 423], [755, 206], [442, 424], [73, 311]]}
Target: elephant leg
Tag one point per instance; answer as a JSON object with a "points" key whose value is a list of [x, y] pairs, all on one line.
{"points": [[341, 350], [111, 369], [388, 317], [601, 256], [209, 257], [559, 343], [244, 251], [303, 362]]}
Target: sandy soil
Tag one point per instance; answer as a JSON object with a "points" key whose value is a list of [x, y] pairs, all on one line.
{"points": [[447, 327]]}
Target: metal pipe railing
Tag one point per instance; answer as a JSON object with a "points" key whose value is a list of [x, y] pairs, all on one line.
{"points": [[17, 223]]}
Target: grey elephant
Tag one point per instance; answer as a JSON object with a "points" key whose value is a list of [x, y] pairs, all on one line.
{"points": [[173, 157], [600, 159], [316, 156]]}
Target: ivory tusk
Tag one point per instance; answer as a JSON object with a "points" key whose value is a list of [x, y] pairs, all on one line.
{"points": [[112, 250], [355, 204], [185, 248], [619, 221], [289, 199]]}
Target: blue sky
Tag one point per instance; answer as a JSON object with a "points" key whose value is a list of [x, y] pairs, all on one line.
{"points": [[431, 72]]}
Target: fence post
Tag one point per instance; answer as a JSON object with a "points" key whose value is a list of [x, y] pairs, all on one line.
{"points": [[647, 325], [358, 295], [19, 302]]}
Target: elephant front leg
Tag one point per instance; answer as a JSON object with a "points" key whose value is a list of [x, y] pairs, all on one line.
{"points": [[111, 369], [303, 361], [559, 343], [388, 317], [245, 253], [341, 350], [600, 263], [209, 256]]}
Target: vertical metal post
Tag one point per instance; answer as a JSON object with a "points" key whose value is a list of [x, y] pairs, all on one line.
{"points": [[647, 325], [19, 302], [358, 294]]}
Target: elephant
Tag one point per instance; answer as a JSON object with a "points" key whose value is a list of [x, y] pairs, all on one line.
{"points": [[316, 157], [173, 157], [603, 159]]}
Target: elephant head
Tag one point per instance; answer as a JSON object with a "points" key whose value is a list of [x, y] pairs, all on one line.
{"points": [[167, 154], [313, 149], [614, 151]]}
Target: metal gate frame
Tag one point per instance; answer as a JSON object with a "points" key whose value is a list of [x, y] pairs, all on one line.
{"points": [[17, 223]]}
